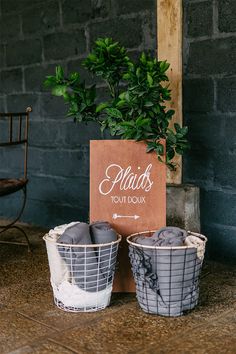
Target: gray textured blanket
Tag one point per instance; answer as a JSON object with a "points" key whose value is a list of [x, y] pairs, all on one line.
{"points": [[165, 237], [90, 267], [166, 279], [101, 232]]}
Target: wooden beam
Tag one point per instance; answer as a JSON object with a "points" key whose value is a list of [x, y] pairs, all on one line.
{"points": [[169, 47]]}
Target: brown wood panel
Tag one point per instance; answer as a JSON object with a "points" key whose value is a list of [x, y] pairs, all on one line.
{"points": [[128, 189], [169, 47]]}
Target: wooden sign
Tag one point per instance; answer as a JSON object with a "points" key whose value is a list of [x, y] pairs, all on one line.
{"points": [[127, 189]]}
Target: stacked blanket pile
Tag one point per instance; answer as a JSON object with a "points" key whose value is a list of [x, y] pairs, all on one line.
{"points": [[166, 272], [81, 276]]}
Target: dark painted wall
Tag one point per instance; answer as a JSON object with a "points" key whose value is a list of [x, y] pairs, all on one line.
{"points": [[35, 36], [210, 112]]}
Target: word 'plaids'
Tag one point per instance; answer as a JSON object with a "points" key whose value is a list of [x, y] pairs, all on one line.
{"points": [[125, 179]]}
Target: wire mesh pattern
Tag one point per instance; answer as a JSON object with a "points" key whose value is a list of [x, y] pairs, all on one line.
{"points": [[82, 275], [166, 278]]}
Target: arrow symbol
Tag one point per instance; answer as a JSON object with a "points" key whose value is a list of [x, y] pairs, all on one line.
{"points": [[116, 216]]}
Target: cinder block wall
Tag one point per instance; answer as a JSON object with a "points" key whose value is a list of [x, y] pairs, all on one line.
{"points": [[210, 112], [35, 36]]}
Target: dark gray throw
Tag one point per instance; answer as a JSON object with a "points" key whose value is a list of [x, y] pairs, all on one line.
{"points": [[166, 279], [102, 233], [88, 266], [77, 234], [166, 236]]}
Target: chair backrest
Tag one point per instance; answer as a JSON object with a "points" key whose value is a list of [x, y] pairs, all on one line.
{"points": [[14, 131]]}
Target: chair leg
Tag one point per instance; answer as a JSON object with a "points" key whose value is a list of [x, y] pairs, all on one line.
{"points": [[11, 225]]}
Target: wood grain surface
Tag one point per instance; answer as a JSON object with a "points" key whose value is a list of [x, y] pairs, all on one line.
{"points": [[127, 189], [169, 47]]}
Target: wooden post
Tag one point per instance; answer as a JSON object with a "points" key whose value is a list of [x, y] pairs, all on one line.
{"points": [[169, 47]]}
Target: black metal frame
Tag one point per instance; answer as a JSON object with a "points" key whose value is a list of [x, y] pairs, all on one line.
{"points": [[11, 225]]}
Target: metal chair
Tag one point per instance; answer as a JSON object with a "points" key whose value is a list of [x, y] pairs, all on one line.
{"points": [[14, 132]]}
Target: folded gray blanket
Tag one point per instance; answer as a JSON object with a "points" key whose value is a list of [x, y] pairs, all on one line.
{"points": [[166, 279], [77, 234], [90, 267], [166, 236], [101, 232]]}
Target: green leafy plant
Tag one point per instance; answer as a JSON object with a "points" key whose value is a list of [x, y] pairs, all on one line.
{"points": [[138, 92]]}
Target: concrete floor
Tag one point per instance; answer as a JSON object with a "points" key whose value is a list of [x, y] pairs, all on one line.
{"points": [[30, 322]]}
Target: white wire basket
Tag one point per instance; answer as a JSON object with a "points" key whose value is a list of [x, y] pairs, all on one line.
{"points": [[82, 275], [167, 278]]}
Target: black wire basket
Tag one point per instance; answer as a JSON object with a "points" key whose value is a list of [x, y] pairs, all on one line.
{"points": [[167, 278]]}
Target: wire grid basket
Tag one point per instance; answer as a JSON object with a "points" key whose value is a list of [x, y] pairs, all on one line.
{"points": [[82, 275], [166, 278]]}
